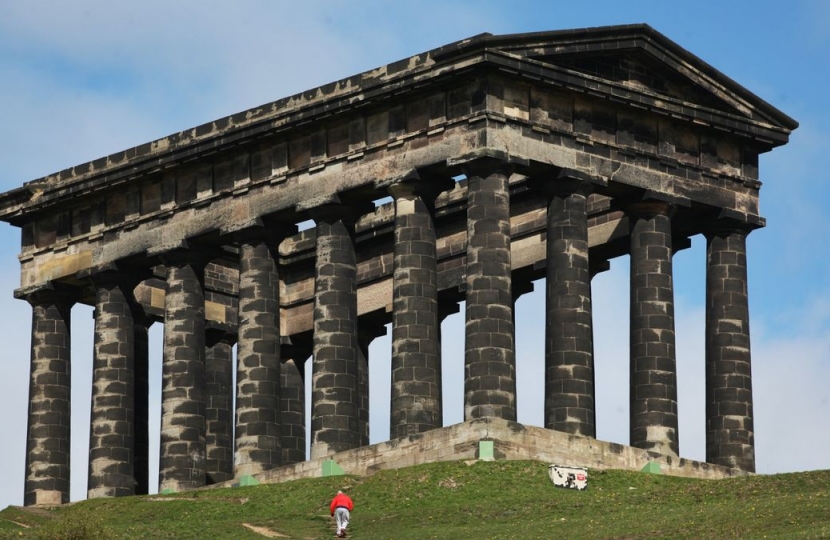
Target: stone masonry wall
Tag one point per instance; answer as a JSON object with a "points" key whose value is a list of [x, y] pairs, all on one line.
{"points": [[511, 441]]}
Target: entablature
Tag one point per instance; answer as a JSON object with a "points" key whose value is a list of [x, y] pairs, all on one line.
{"points": [[602, 137], [557, 61]]}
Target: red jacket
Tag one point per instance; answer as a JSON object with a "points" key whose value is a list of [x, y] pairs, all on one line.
{"points": [[341, 499]]}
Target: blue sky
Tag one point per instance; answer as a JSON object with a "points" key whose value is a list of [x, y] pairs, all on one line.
{"points": [[84, 79]]}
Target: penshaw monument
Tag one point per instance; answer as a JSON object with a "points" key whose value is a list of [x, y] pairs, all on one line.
{"points": [[507, 159]]}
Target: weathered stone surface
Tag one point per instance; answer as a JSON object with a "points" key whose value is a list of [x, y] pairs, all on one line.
{"points": [[258, 429], [292, 411], [48, 437], [489, 355], [569, 362], [218, 409], [653, 363], [182, 455], [416, 368], [112, 423], [335, 399], [730, 432], [510, 440]]}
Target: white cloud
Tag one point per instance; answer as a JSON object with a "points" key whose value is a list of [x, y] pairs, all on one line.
{"points": [[792, 404]]}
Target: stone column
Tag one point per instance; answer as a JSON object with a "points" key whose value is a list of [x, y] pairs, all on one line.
{"points": [[258, 429], [489, 355], [218, 408], [141, 380], [182, 454], [112, 424], [335, 399], [569, 361], [730, 433], [416, 367], [653, 367], [48, 437], [292, 409]]}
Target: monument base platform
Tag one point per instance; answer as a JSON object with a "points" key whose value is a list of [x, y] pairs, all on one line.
{"points": [[510, 441]]}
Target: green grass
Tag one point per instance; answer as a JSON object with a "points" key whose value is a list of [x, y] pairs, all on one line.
{"points": [[454, 500]]}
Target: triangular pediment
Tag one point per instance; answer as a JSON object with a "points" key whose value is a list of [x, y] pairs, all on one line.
{"points": [[638, 70], [638, 59]]}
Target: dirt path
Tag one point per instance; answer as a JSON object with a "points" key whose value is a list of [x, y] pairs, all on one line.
{"points": [[264, 531], [17, 523]]}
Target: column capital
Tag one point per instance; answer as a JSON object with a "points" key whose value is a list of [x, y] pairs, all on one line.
{"points": [[48, 293], [729, 221], [652, 203], [336, 210], [415, 184], [484, 161], [407, 187], [483, 167], [263, 231], [565, 182], [650, 208]]}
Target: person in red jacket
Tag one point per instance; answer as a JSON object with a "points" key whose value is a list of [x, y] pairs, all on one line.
{"points": [[341, 507]]}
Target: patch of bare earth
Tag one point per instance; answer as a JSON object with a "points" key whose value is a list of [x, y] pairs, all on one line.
{"points": [[17, 523], [264, 531]]}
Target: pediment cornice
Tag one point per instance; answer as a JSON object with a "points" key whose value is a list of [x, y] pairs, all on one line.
{"points": [[691, 90]]}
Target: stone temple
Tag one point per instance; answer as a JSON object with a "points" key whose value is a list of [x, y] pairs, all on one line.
{"points": [[507, 159]]}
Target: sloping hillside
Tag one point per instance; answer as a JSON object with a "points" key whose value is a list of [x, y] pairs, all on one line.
{"points": [[458, 500]]}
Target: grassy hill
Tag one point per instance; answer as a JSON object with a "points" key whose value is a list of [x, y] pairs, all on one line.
{"points": [[457, 500]]}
